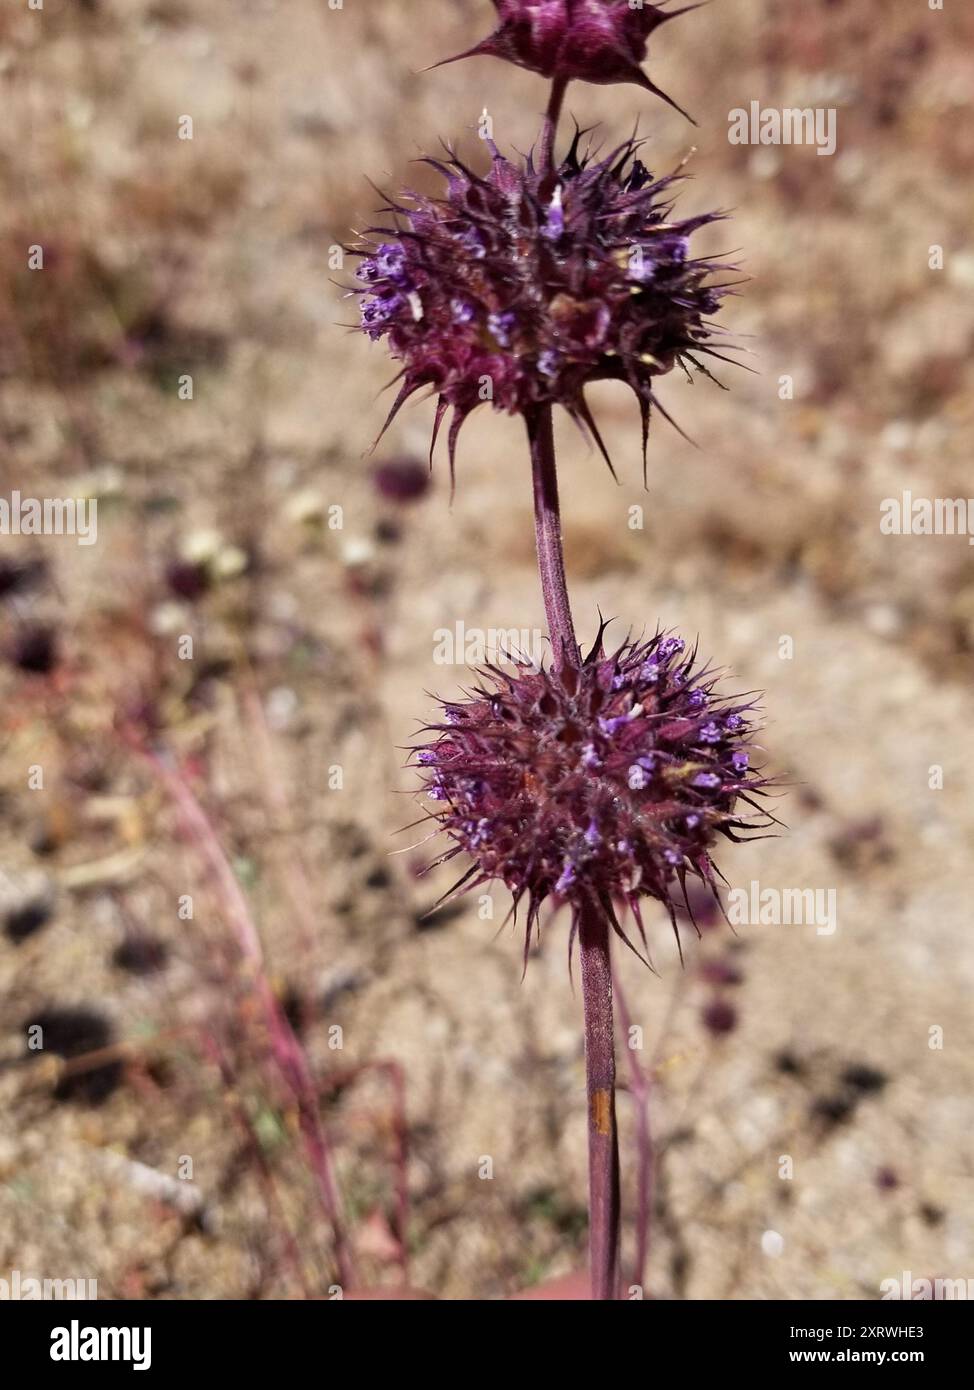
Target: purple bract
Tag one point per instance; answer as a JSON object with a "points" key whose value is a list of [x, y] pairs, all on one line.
{"points": [[521, 288], [594, 784], [601, 41]]}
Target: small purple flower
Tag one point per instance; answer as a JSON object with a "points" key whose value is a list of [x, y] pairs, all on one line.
{"points": [[706, 780], [612, 726], [390, 262], [502, 326], [377, 312], [472, 242], [568, 876], [554, 223], [711, 733], [740, 759], [669, 647]]}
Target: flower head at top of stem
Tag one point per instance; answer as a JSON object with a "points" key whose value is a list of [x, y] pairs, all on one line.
{"points": [[600, 41]]}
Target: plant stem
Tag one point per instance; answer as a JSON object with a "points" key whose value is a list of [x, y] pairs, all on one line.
{"points": [[593, 923], [547, 532], [600, 1080], [546, 151], [285, 1046]]}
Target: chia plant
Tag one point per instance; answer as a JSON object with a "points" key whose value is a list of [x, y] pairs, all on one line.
{"points": [[605, 779]]}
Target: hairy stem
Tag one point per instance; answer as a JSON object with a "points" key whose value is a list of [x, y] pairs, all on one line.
{"points": [[547, 532], [549, 133], [593, 923], [600, 1079]]}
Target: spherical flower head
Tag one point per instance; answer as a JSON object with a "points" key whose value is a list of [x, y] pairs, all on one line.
{"points": [[600, 41], [594, 785], [522, 287]]}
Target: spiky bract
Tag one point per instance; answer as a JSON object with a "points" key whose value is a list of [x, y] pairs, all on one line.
{"points": [[601, 41], [605, 783], [522, 287]]}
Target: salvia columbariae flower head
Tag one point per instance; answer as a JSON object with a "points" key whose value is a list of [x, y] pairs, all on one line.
{"points": [[522, 287], [601, 41], [600, 784]]}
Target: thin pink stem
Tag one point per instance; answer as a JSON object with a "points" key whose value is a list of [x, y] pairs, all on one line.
{"points": [[397, 1082], [285, 1046]]}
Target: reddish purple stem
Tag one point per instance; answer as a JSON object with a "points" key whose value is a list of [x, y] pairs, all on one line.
{"points": [[593, 922], [547, 529], [600, 1082], [285, 1046], [549, 133]]}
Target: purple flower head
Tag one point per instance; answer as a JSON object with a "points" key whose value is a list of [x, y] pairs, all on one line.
{"points": [[553, 301], [600, 41], [587, 788]]}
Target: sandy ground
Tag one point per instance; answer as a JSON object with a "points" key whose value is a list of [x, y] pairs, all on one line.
{"points": [[313, 656]]}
